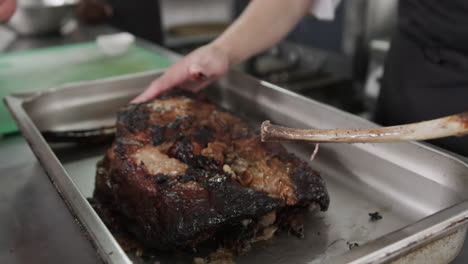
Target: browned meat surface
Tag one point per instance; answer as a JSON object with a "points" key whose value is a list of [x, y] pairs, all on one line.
{"points": [[183, 172]]}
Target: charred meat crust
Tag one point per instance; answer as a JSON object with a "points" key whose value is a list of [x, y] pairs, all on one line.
{"points": [[182, 171]]}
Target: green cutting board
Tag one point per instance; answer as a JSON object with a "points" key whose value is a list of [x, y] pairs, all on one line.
{"points": [[48, 67]]}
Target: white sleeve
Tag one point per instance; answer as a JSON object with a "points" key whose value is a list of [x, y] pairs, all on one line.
{"points": [[324, 9]]}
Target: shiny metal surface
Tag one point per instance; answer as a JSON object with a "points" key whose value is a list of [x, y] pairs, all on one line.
{"points": [[34, 17], [35, 225], [410, 184], [81, 34]]}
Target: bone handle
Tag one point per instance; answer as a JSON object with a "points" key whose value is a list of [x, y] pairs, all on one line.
{"points": [[454, 125]]}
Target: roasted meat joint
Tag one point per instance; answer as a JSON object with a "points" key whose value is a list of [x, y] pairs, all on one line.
{"points": [[183, 173]]}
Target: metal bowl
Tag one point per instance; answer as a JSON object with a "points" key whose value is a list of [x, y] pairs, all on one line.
{"points": [[35, 17]]}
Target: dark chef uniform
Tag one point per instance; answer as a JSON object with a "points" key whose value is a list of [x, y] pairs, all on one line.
{"points": [[426, 72], [141, 18]]}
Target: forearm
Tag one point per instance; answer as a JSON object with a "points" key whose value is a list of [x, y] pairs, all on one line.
{"points": [[261, 25]]}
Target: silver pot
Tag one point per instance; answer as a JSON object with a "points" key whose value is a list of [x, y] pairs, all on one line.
{"points": [[33, 17]]}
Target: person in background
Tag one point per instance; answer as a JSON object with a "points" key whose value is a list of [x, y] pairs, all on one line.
{"points": [[7, 8], [426, 70], [141, 19], [425, 76]]}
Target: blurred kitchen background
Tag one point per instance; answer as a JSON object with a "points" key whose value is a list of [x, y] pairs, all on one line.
{"points": [[338, 62]]}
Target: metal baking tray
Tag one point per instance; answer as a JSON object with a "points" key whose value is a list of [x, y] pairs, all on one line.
{"points": [[419, 191]]}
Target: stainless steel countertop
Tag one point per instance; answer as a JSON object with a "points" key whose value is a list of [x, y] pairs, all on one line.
{"points": [[35, 225]]}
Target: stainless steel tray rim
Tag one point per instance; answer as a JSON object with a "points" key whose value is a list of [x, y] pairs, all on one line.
{"points": [[110, 252], [363, 123], [397, 246], [30, 96], [381, 148]]}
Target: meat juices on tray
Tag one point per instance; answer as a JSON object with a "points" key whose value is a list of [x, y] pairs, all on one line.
{"points": [[183, 173]]}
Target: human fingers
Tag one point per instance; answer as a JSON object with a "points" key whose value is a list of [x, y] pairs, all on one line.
{"points": [[173, 76], [7, 8]]}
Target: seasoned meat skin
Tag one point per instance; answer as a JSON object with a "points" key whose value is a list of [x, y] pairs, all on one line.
{"points": [[182, 171]]}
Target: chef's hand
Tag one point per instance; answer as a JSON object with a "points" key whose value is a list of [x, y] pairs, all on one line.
{"points": [[7, 8], [194, 72], [261, 25]]}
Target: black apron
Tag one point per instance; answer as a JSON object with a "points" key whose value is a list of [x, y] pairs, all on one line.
{"points": [[141, 18], [426, 71]]}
